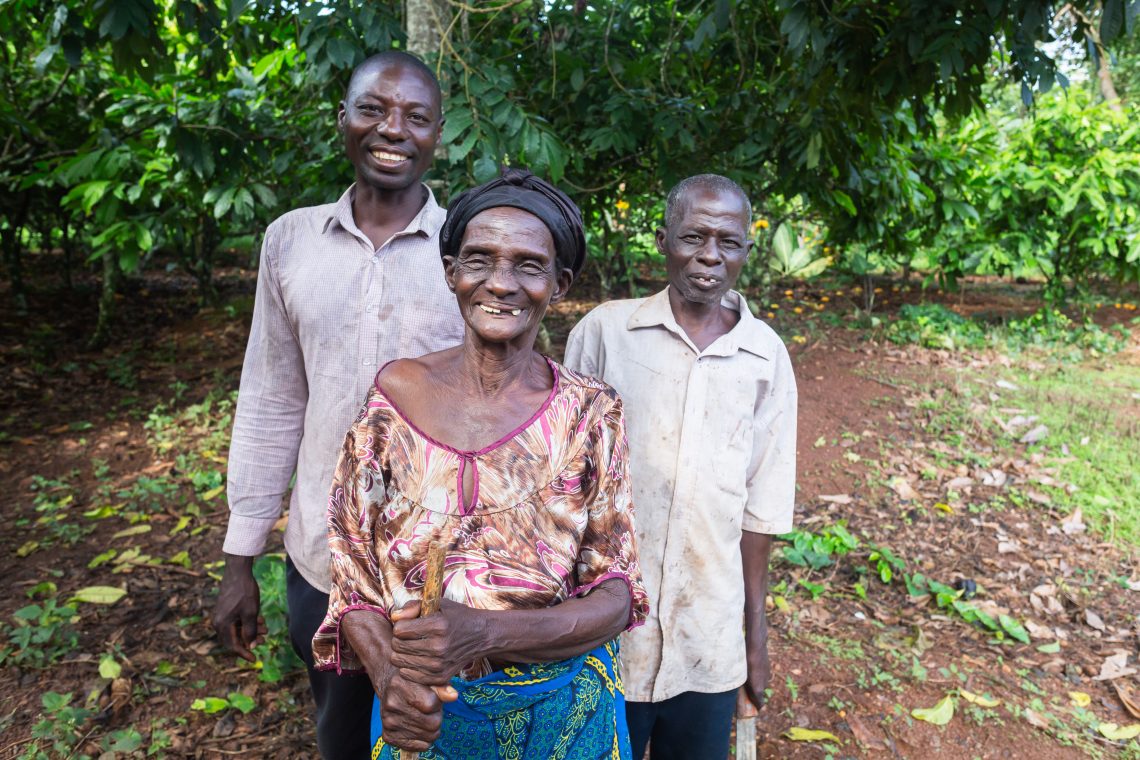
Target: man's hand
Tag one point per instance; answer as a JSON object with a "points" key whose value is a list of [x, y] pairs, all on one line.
{"points": [[759, 669], [239, 601], [431, 650]]}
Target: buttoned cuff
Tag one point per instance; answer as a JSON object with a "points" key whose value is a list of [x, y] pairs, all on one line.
{"points": [[247, 536]]}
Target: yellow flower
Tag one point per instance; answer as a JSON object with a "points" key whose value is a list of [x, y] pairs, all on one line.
{"points": [[1116, 305], [799, 339], [771, 315], [1130, 306], [839, 292], [622, 205], [825, 299], [798, 310], [787, 292], [819, 307], [857, 290], [827, 249], [762, 223], [878, 290], [773, 306], [894, 288]]}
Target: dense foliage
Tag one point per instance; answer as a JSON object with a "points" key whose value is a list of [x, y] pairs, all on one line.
{"points": [[167, 129]]}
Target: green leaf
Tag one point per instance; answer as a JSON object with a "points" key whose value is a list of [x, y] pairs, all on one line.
{"points": [[797, 734], [241, 702], [844, 200], [99, 594], [1014, 628], [108, 668], [209, 705], [939, 715], [485, 169], [1119, 733], [1051, 648]]}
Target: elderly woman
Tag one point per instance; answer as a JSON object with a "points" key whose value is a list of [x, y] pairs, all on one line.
{"points": [[518, 466]]}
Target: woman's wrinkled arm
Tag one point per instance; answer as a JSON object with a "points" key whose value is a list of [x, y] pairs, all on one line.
{"points": [[431, 650]]}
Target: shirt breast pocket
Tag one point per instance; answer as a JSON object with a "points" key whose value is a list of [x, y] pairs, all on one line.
{"points": [[731, 419]]}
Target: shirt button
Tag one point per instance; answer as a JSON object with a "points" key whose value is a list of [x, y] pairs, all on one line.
{"points": [[375, 259], [365, 362]]}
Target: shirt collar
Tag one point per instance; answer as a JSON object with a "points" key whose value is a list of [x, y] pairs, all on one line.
{"points": [[748, 334], [426, 223]]}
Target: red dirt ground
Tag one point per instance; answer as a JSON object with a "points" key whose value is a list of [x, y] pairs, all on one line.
{"points": [[840, 664]]}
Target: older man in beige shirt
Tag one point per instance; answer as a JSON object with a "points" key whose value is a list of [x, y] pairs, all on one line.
{"points": [[710, 403], [343, 288]]}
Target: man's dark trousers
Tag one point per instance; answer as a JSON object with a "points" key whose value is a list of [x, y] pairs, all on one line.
{"points": [[688, 726], [344, 702]]}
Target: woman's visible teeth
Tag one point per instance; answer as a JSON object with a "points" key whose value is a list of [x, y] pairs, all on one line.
{"points": [[490, 310], [383, 155]]}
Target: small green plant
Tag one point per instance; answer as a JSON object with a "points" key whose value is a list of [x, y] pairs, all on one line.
{"points": [[57, 729], [42, 634], [820, 550], [275, 652], [950, 600]]}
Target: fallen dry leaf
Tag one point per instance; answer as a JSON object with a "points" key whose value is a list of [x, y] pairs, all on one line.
{"points": [[837, 498], [1129, 699], [903, 489], [1035, 719], [1094, 620], [1073, 524], [1034, 435], [1115, 666], [864, 734]]}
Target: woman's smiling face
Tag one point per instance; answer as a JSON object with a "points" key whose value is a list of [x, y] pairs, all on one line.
{"points": [[505, 275]]}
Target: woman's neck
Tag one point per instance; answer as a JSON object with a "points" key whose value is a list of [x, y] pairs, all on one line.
{"points": [[489, 370]]}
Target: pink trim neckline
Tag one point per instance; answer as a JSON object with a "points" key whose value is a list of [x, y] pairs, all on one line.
{"points": [[467, 454]]}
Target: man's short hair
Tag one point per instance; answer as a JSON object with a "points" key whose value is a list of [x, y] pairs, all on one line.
{"points": [[674, 204], [393, 56]]}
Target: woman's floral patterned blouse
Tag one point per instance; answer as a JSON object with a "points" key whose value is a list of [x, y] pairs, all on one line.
{"points": [[550, 515]]}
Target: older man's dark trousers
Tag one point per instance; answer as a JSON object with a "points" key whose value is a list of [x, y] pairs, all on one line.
{"points": [[344, 702], [685, 727]]}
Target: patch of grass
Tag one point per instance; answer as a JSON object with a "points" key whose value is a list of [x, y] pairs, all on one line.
{"points": [[1084, 407]]}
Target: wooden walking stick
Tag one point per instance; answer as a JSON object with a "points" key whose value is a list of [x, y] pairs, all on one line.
{"points": [[429, 605], [746, 713]]}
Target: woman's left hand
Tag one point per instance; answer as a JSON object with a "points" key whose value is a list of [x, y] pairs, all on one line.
{"points": [[432, 649]]}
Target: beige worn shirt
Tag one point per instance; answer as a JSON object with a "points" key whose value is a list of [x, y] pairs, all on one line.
{"points": [[712, 439], [330, 311]]}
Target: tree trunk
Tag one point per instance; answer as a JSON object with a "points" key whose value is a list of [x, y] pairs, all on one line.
{"points": [[13, 261], [425, 21], [1104, 77], [106, 301]]}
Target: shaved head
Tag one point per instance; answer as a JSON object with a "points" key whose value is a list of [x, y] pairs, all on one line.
{"points": [[390, 58]]}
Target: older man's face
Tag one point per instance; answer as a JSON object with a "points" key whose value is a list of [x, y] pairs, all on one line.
{"points": [[707, 245], [391, 120]]}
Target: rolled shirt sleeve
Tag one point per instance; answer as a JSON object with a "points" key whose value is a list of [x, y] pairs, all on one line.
{"points": [[772, 470], [269, 420]]}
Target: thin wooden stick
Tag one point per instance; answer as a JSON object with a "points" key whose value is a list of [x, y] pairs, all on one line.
{"points": [[433, 581], [429, 605], [746, 713]]}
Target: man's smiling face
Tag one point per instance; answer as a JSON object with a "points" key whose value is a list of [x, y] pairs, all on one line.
{"points": [[391, 118]]}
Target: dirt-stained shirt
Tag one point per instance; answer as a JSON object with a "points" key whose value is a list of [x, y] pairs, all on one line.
{"points": [[712, 452], [550, 515], [330, 310]]}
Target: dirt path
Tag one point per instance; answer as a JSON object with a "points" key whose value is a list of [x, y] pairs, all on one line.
{"points": [[109, 475]]}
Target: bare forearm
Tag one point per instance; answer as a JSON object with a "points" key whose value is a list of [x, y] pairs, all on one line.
{"points": [[755, 552], [559, 632]]}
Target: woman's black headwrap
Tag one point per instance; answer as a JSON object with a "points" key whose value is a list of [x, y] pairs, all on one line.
{"points": [[520, 189]]}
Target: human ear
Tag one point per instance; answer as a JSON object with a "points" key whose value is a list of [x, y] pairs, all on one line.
{"points": [[449, 272], [562, 281], [659, 239], [341, 113]]}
